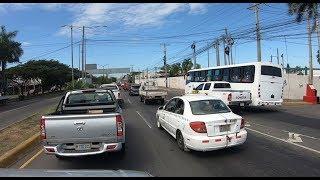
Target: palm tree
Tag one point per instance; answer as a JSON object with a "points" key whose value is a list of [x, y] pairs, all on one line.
{"points": [[302, 9], [10, 51]]}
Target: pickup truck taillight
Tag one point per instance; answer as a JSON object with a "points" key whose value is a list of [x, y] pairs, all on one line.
{"points": [[199, 127], [242, 124], [229, 97], [119, 122], [42, 128]]}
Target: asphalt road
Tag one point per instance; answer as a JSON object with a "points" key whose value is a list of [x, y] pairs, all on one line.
{"points": [[268, 150], [17, 111]]}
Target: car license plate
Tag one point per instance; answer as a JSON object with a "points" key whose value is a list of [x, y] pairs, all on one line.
{"points": [[82, 146], [241, 104], [224, 128]]}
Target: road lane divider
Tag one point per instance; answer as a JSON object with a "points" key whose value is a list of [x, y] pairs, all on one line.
{"points": [[283, 140], [31, 159], [144, 119], [11, 156]]}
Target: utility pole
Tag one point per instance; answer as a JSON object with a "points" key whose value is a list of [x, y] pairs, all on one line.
{"points": [[165, 63], [208, 54], [256, 8], [318, 34], [271, 59], [82, 69], [193, 46], [310, 53], [85, 60], [79, 56], [231, 61], [285, 42], [277, 56], [72, 75], [216, 46], [282, 60], [224, 47]]}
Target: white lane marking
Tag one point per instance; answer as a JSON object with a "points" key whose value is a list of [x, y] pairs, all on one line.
{"points": [[285, 131], [31, 159], [24, 106], [144, 119], [129, 101], [293, 137], [283, 140], [16, 108]]}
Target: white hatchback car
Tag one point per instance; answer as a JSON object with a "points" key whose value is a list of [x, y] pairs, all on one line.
{"points": [[201, 123]]}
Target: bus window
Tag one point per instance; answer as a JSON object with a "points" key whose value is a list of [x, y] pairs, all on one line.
{"points": [[248, 74], [225, 74], [217, 75], [203, 76], [196, 76], [235, 74], [190, 77], [210, 75], [271, 71]]}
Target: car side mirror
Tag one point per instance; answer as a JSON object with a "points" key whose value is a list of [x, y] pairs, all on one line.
{"points": [[160, 108]]}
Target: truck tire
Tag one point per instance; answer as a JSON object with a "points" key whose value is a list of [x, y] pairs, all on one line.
{"points": [[61, 157], [146, 101], [162, 101]]}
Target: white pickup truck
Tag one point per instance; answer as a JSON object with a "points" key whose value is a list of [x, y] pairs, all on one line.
{"points": [[223, 91], [116, 91], [86, 122], [149, 91]]}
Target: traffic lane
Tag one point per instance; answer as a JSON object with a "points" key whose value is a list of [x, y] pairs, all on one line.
{"points": [[22, 104], [155, 151], [246, 160], [283, 121], [14, 115]]}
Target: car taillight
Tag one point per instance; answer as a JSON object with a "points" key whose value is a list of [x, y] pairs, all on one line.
{"points": [[199, 127], [242, 123], [119, 122], [229, 97], [42, 128]]}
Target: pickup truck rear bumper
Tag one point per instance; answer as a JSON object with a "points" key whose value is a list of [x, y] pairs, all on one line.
{"points": [[105, 147]]}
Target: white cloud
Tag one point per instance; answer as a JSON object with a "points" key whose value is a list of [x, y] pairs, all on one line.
{"points": [[51, 6], [197, 8]]}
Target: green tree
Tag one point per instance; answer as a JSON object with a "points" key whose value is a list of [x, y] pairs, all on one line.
{"points": [[310, 10], [10, 51], [186, 65], [18, 76], [174, 69]]}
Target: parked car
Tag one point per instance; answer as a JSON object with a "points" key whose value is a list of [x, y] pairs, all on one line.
{"points": [[116, 91], [150, 91], [86, 122], [201, 123], [134, 89], [223, 90]]}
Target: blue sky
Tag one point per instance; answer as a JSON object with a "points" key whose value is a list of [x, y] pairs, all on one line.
{"points": [[127, 38]]}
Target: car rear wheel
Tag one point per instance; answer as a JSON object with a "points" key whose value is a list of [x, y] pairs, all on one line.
{"points": [[159, 124], [180, 141]]}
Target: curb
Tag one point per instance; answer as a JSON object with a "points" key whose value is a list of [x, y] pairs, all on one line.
{"points": [[11, 156]]}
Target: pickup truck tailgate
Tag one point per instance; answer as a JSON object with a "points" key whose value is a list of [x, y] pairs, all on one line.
{"points": [[240, 96], [80, 127]]}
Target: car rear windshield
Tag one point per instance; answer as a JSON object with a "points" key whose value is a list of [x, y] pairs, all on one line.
{"points": [[204, 107], [271, 71], [91, 99], [222, 85]]}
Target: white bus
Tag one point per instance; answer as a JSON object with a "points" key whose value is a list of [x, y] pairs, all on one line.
{"points": [[264, 80]]}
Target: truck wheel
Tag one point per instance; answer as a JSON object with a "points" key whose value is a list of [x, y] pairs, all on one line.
{"points": [[162, 101], [61, 157], [159, 124], [146, 101]]}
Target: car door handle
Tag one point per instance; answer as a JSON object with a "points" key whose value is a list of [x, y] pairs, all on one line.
{"points": [[79, 122]]}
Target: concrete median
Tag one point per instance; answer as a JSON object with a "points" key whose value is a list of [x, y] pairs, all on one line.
{"points": [[11, 156]]}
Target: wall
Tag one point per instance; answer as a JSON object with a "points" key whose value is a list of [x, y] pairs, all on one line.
{"points": [[294, 89]]}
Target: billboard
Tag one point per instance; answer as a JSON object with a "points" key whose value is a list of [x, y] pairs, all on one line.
{"points": [[91, 66]]}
